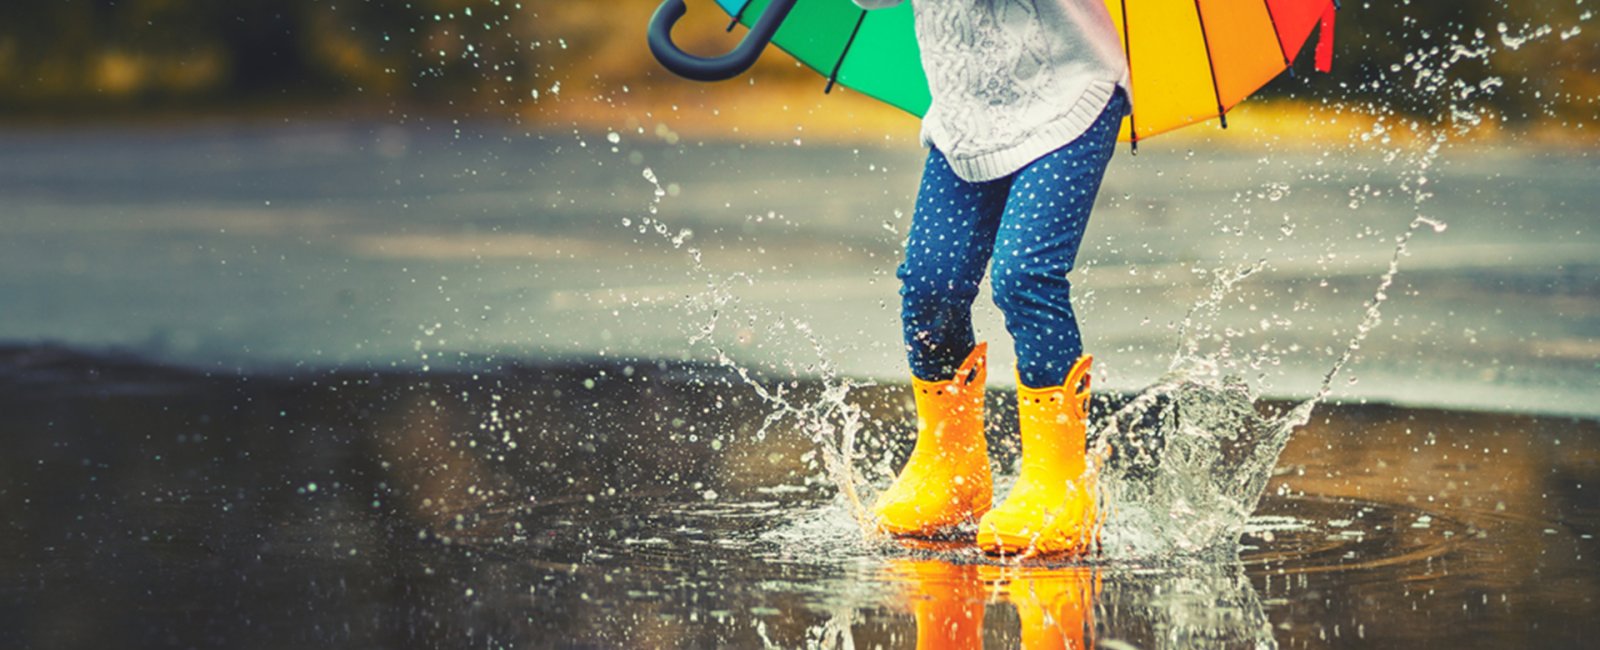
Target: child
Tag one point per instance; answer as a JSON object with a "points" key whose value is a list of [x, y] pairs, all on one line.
{"points": [[1027, 101]]}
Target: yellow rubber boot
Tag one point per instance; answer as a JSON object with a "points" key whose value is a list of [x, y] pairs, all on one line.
{"points": [[1051, 509], [946, 481]]}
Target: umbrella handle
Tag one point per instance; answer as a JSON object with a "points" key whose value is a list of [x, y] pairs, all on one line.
{"points": [[717, 68]]}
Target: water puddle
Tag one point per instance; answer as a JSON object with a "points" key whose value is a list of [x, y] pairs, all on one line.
{"points": [[339, 507]]}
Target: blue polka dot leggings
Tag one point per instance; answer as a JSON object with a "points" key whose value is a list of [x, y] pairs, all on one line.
{"points": [[1030, 224]]}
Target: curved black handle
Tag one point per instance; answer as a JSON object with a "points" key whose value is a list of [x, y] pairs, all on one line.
{"points": [[718, 68]]}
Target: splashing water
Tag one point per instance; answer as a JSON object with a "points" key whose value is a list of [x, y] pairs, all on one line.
{"points": [[1193, 452], [1190, 456], [829, 419]]}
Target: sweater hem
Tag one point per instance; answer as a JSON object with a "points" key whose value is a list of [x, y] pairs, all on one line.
{"points": [[1044, 139]]}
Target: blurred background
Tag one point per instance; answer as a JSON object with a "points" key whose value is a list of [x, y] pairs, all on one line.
{"points": [[554, 62]]}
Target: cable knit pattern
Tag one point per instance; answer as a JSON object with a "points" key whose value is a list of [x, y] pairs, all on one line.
{"points": [[1012, 80]]}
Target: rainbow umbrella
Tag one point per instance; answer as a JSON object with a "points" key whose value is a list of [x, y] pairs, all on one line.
{"points": [[1189, 60]]}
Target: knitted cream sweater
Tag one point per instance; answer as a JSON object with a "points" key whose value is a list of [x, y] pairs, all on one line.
{"points": [[1012, 80]]}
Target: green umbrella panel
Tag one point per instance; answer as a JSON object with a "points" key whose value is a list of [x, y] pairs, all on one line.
{"points": [[870, 52]]}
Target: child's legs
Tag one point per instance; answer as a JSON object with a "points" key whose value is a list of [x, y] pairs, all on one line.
{"points": [[952, 236], [1042, 226]]}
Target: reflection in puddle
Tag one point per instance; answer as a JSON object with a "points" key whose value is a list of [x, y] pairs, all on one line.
{"points": [[1054, 608]]}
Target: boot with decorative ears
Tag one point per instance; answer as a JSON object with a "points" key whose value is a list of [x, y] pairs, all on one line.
{"points": [[946, 481], [1051, 509]]}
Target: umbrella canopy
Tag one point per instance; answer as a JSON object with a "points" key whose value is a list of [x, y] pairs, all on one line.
{"points": [[1189, 60]]}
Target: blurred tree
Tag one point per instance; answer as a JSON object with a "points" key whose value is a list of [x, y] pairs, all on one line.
{"points": [[1429, 58], [264, 42]]}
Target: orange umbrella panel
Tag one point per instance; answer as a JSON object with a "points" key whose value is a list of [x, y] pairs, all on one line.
{"points": [[1193, 60]]}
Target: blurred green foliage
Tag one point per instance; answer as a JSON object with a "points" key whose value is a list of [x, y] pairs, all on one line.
{"points": [[109, 56]]}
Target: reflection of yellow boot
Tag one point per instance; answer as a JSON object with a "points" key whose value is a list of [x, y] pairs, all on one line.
{"points": [[946, 480], [1051, 509], [947, 600], [1054, 606]]}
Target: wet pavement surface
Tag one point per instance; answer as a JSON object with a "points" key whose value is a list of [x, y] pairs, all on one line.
{"points": [[631, 503], [317, 244]]}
